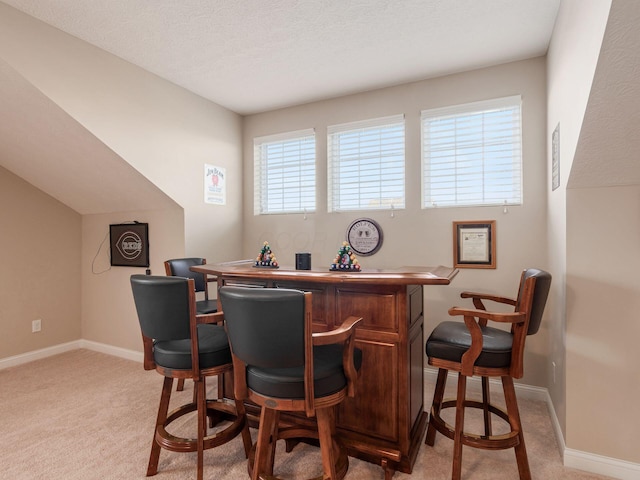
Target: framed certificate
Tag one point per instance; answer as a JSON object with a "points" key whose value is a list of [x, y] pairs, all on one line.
{"points": [[474, 244]]}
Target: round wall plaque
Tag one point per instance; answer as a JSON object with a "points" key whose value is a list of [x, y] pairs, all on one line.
{"points": [[365, 236]]}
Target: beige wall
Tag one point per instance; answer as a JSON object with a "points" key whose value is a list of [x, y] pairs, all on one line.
{"points": [[571, 63], [165, 132], [602, 238], [415, 236], [40, 240], [603, 301], [108, 312]]}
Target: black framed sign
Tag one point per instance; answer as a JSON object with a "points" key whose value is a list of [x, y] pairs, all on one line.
{"points": [[129, 244], [474, 244]]}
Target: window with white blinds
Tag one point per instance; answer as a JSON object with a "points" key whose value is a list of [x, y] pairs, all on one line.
{"points": [[285, 173], [472, 154], [366, 165]]}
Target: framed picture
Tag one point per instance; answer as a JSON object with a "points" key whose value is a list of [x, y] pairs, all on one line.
{"points": [[129, 244], [555, 158], [474, 244]]}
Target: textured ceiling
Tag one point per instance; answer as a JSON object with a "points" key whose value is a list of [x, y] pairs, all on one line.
{"points": [[253, 56]]}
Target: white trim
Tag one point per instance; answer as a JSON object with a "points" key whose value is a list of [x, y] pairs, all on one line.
{"points": [[111, 350], [38, 354], [363, 124], [529, 392], [280, 137], [611, 467], [585, 461], [473, 107], [66, 347]]}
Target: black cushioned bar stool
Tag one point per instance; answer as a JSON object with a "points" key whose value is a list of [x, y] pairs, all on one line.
{"points": [[180, 267], [472, 348], [282, 366], [179, 344]]}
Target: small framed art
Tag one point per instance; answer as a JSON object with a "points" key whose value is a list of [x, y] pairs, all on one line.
{"points": [[474, 244]]}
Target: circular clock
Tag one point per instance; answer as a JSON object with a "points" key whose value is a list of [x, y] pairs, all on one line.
{"points": [[365, 236]]}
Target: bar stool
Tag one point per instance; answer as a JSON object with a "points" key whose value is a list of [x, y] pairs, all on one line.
{"points": [[282, 366], [474, 349], [179, 344]]}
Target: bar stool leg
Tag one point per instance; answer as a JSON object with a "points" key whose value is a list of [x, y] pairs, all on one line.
{"points": [[516, 425], [459, 430], [262, 459], [326, 430], [486, 401], [163, 409], [436, 405]]}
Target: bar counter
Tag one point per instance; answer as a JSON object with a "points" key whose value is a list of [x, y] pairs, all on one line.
{"points": [[386, 421]]}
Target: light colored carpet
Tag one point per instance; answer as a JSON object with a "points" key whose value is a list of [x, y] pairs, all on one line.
{"points": [[86, 415]]}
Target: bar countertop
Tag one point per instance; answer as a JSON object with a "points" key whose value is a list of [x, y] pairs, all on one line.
{"points": [[407, 275]]}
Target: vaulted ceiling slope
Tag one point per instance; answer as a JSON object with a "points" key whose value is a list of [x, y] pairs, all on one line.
{"points": [[45, 146], [609, 142]]}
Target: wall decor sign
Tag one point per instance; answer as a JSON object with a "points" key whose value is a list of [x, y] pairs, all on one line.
{"points": [[474, 244], [215, 185], [364, 236], [555, 158], [129, 244]]}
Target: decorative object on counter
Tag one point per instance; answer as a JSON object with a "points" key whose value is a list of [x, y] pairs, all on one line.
{"points": [[364, 236], [266, 258], [303, 261], [345, 260]]}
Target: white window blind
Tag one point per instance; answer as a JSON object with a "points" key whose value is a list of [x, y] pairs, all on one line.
{"points": [[472, 154], [366, 165], [285, 173]]}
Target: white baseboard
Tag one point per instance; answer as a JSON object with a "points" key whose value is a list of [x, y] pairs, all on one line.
{"points": [[593, 463], [111, 350], [65, 347], [588, 462], [38, 354]]}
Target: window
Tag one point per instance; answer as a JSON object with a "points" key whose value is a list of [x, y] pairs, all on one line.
{"points": [[366, 165], [472, 154], [285, 173]]}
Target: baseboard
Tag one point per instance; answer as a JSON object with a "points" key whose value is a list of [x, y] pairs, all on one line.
{"points": [[65, 347], [111, 350], [588, 462], [530, 392], [593, 463], [38, 354]]}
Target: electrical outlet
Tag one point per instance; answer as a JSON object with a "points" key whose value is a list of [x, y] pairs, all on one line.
{"points": [[36, 325], [553, 364]]}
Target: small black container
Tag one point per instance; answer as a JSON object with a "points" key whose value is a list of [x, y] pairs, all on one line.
{"points": [[303, 261]]}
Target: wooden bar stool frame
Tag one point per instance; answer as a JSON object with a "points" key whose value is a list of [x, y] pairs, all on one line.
{"points": [[335, 462], [218, 409], [474, 319]]}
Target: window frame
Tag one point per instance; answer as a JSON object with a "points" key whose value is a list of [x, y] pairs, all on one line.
{"points": [[333, 163], [260, 203], [468, 110]]}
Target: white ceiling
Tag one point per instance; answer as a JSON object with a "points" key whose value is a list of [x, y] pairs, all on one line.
{"points": [[252, 55]]}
